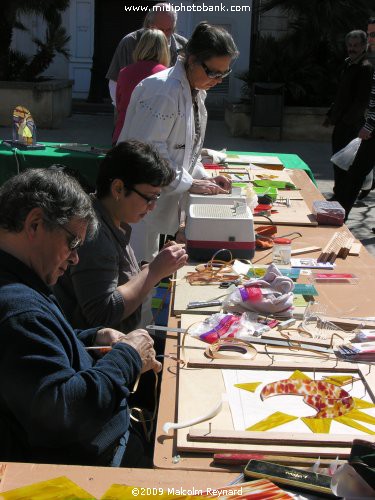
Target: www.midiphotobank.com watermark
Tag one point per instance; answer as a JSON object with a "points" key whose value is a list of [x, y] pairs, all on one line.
{"points": [[220, 7]]}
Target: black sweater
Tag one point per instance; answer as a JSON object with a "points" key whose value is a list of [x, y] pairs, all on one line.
{"points": [[57, 405]]}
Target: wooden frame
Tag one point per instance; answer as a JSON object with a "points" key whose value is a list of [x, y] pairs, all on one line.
{"points": [[200, 389]]}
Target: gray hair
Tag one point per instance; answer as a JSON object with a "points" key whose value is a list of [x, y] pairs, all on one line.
{"points": [[58, 194], [360, 34], [160, 7]]}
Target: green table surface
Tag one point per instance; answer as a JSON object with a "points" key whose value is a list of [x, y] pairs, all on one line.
{"points": [[13, 161]]}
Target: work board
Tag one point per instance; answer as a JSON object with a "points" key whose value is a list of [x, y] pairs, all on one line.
{"points": [[184, 293], [200, 390], [296, 214], [270, 162]]}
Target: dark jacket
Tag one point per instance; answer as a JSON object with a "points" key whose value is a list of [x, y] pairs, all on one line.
{"points": [[57, 405], [353, 93]]}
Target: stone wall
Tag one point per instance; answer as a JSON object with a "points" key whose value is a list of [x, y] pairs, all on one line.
{"points": [[49, 102], [299, 123]]}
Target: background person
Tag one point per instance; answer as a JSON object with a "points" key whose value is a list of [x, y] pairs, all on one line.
{"points": [[363, 162], [347, 113], [371, 58], [167, 110], [151, 55], [107, 287], [163, 17], [57, 404]]}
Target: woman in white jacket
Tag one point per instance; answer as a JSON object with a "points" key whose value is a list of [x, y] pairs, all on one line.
{"points": [[167, 110]]}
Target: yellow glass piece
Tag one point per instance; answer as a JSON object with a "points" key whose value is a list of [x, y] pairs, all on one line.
{"points": [[360, 403], [259, 272], [272, 421], [60, 488], [359, 415], [27, 132], [351, 423], [318, 425], [298, 375], [340, 380], [249, 386]]}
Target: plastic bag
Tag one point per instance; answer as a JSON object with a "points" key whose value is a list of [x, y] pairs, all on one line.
{"points": [[251, 197], [367, 183], [345, 157], [272, 294], [221, 326]]}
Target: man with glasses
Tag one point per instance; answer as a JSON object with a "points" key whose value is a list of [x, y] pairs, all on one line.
{"points": [[107, 286], [58, 404]]}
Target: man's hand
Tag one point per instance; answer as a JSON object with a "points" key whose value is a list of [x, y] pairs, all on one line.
{"points": [[107, 336], [168, 260], [364, 134], [206, 186], [223, 182], [141, 341]]}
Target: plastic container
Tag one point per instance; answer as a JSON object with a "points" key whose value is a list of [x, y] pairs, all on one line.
{"points": [[282, 251], [328, 213], [325, 277]]}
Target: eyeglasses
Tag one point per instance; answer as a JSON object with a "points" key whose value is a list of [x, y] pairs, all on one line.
{"points": [[150, 200], [74, 242], [215, 74]]}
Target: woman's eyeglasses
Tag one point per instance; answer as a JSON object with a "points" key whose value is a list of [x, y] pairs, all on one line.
{"points": [[74, 241], [215, 74], [149, 199]]}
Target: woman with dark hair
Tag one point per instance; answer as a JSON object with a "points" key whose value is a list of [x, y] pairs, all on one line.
{"points": [[107, 287], [167, 110]]}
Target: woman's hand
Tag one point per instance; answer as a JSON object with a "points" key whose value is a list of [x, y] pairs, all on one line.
{"points": [[206, 186], [168, 260], [223, 182]]}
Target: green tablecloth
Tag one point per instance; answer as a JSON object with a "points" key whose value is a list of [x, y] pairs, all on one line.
{"points": [[12, 161]]}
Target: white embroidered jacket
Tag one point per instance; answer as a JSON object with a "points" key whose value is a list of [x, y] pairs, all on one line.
{"points": [[160, 112]]}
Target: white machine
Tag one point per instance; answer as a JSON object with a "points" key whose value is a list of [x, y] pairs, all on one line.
{"points": [[212, 227]]}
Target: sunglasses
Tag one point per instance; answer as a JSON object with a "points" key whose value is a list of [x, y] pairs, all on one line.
{"points": [[149, 199], [74, 241], [215, 74]]}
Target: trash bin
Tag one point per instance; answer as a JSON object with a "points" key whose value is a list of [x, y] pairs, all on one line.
{"points": [[267, 106]]}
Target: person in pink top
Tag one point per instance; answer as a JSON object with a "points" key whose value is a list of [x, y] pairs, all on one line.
{"points": [[151, 55]]}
